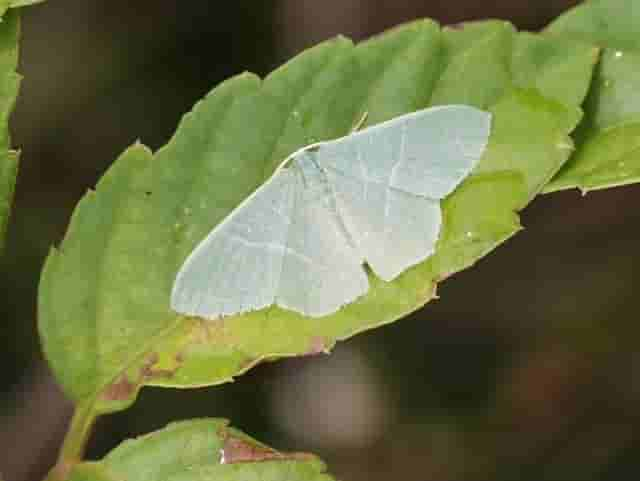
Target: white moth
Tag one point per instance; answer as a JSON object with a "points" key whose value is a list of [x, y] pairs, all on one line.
{"points": [[301, 240]]}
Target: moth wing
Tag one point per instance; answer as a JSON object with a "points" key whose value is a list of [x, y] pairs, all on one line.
{"points": [[439, 148], [426, 153], [393, 229], [322, 269], [389, 179], [237, 267], [302, 248]]}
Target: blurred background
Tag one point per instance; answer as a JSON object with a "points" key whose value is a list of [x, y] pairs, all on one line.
{"points": [[525, 369]]}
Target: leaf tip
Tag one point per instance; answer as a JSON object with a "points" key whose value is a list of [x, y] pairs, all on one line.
{"points": [[248, 77], [139, 147]]}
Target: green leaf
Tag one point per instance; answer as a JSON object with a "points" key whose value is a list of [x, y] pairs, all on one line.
{"points": [[608, 140], [104, 314], [8, 172], [9, 84], [7, 4], [200, 450]]}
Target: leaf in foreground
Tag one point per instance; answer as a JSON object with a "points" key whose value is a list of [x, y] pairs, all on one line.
{"points": [[9, 85], [608, 139], [199, 450], [104, 312]]}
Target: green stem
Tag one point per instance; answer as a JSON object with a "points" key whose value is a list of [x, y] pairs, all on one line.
{"points": [[79, 430], [75, 442]]}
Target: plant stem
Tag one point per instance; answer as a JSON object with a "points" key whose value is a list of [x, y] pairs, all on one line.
{"points": [[79, 430], [75, 442]]}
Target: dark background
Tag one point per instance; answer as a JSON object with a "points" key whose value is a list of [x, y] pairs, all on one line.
{"points": [[525, 369]]}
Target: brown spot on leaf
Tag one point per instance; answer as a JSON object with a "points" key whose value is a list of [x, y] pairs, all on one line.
{"points": [[458, 26], [319, 345], [148, 372], [119, 390], [124, 388], [238, 450]]}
